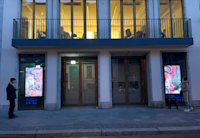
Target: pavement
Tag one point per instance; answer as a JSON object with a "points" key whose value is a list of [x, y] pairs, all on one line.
{"points": [[90, 121]]}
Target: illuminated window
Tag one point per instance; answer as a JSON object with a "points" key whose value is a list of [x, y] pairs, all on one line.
{"points": [[171, 18], [82, 15], [33, 16], [128, 18]]}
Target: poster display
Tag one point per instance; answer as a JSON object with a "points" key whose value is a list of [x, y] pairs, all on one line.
{"points": [[34, 82], [172, 79]]}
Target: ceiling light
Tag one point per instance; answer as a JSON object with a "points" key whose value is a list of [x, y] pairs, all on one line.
{"points": [[73, 62]]}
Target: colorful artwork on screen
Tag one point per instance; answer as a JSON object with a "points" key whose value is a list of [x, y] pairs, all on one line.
{"points": [[34, 82], [172, 79]]}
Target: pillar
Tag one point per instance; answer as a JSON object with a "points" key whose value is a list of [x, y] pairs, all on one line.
{"points": [[155, 80], [51, 93], [103, 19], [104, 79], [153, 16]]}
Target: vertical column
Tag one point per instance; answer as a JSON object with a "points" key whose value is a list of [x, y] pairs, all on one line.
{"points": [[193, 52], [154, 79], [48, 17], [153, 16], [104, 75], [103, 19], [56, 18], [51, 93]]}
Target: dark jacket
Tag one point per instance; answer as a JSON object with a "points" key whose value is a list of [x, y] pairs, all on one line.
{"points": [[11, 92]]}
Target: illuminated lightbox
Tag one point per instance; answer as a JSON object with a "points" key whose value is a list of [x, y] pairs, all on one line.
{"points": [[34, 82], [172, 79]]}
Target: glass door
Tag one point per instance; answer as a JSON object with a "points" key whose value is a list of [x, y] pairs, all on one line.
{"points": [[128, 81], [79, 82]]}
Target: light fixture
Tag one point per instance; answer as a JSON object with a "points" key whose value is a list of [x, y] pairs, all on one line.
{"points": [[42, 13], [37, 66], [73, 62]]}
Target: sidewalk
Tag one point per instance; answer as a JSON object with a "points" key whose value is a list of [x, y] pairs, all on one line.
{"points": [[127, 118]]}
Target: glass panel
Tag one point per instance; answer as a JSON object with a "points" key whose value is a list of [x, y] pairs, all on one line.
{"points": [[24, 62], [91, 15], [128, 18], [177, 16], [26, 21], [78, 19], [72, 82], [88, 81], [115, 15], [134, 88], [118, 81], [65, 16], [141, 29], [40, 19], [165, 19]]}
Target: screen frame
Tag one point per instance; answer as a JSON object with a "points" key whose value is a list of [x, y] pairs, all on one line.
{"points": [[42, 84], [164, 78]]}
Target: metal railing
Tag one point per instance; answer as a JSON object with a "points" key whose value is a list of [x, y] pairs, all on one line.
{"points": [[101, 29]]}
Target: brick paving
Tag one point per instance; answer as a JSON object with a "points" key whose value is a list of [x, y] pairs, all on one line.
{"points": [[92, 118]]}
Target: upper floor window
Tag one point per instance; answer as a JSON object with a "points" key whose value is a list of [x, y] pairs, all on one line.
{"points": [[33, 14], [78, 19], [128, 18], [171, 14]]}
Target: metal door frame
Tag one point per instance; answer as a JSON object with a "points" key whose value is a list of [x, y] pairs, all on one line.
{"points": [[63, 87]]}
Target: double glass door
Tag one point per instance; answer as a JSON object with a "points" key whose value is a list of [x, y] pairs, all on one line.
{"points": [[79, 82], [128, 81]]}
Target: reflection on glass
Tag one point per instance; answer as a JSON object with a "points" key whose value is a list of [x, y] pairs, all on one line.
{"points": [[78, 22], [118, 81], [26, 21], [177, 23], [134, 88], [115, 15], [72, 83], [128, 18], [91, 16], [141, 29], [175, 14], [88, 81], [40, 19], [65, 16]]}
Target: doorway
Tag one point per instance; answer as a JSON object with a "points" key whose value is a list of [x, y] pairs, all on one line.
{"points": [[79, 82], [129, 80]]}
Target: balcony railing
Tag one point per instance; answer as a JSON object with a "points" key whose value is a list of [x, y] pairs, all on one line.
{"points": [[101, 29]]}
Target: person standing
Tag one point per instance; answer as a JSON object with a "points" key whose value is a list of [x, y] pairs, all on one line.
{"points": [[11, 96], [185, 91]]}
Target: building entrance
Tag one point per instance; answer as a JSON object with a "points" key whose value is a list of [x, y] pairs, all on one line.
{"points": [[129, 80], [79, 82]]}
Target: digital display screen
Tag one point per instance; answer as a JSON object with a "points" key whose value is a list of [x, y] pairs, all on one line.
{"points": [[172, 79], [34, 82]]}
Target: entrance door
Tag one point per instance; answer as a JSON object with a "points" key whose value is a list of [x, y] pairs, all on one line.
{"points": [[79, 82], [128, 81]]}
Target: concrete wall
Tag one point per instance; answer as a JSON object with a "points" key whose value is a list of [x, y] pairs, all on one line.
{"points": [[8, 62], [9, 57], [192, 10]]}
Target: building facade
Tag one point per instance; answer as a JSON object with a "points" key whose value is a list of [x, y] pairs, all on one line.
{"points": [[98, 52]]}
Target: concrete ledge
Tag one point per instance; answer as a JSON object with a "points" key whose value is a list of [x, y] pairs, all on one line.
{"points": [[4, 108], [130, 131], [51, 106], [179, 130], [196, 103], [105, 105], [68, 133], [17, 134], [157, 104]]}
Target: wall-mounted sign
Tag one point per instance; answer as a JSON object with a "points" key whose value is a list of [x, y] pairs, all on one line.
{"points": [[172, 79], [34, 82], [31, 101]]}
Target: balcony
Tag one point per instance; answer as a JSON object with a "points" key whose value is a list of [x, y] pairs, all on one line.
{"points": [[66, 32]]}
